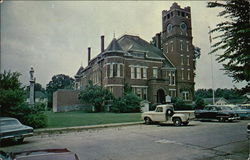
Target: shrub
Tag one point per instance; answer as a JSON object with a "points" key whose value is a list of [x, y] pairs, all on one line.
{"points": [[129, 103], [36, 120]]}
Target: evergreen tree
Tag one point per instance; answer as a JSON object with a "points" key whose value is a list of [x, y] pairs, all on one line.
{"points": [[234, 39]]}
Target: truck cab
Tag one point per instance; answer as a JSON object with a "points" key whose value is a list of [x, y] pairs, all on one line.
{"points": [[165, 114]]}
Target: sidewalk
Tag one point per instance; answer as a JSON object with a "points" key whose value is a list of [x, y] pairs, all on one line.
{"points": [[80, 128]]}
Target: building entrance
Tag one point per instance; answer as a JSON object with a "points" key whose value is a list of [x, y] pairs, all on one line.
{"points": [[160, 96]]}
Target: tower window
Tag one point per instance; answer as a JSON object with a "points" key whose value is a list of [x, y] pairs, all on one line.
{"points": [[179, 13], [182, 14], [182, 73], [188, 63], [111, 70], [187, 45], [172, 44], [168, 16], [188, 74], [181, 45]]}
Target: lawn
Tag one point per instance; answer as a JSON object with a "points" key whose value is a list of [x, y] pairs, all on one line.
{"points": [[80, 118]]}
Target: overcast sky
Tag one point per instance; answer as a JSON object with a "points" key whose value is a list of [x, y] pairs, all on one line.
{"points": [[53, 36]]}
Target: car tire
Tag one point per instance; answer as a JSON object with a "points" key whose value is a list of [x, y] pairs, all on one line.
{"points": [[147, 120], [177, 121], [221, 119], [20, 140], [185, 123]]}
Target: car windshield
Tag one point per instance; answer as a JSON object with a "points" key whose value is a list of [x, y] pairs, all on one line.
{"points": [[9, 122]]}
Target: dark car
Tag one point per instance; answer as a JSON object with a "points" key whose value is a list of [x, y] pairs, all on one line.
{"points": [[213, 112], [47, 154], [12, 129]]}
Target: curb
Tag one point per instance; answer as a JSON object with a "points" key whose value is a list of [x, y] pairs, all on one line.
{"points": [[81, 128]]}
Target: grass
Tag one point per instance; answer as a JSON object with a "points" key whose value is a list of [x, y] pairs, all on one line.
{"points": [[80, 118]]}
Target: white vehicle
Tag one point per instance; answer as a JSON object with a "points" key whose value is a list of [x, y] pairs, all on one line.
{"points": [[165, 114]]}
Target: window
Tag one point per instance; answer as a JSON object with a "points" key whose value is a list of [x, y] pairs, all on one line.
{"points": [[118, 70], [187, 45], [138, 73], [188, 75], [182, 60], [182, 73], [181, 44], [155, 73], [179, 13], [182, 14], [111, 70], [185, 95], [159, 109], [188, 61], [121, 70], [172, 92], [144, 70], [172, 44], [166, 47], [144, 93], [132, 72], [173, 78], [115, 70]]}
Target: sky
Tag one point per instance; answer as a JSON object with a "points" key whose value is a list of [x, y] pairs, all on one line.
{"points": [[53, 36]]}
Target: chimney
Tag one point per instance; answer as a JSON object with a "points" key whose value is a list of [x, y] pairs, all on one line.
{"points": [[158, 40], [102, 43], [89, 54]]}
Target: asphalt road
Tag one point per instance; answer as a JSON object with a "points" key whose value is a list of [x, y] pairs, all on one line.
{"points": [[198, 141]]}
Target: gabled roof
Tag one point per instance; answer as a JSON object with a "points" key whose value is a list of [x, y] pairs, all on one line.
{"points": [[114, 46], [134, 44], [79, 71], [210, 100]]}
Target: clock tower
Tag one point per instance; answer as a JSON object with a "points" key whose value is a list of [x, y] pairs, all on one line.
{"points": [[177, 45]]}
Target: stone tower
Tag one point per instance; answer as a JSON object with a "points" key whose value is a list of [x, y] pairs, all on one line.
{"points": [[177, 45]]}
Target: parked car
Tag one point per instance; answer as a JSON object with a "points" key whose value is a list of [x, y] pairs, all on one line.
{"points": [[46, 154], [243, 113], [165, 114], [214, 112], [12, 129]]}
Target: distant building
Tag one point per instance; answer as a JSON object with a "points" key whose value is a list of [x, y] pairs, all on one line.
{"points": [[164, 67], [217, 101], [40, 97]]}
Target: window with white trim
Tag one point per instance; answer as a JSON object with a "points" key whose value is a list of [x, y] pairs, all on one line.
{"points": [[118, 70], [132, 72], [111, 70], [187, 45], [188, 63], [144, 74], [173, 77], [172, 46], [138, 73], [185, 95], [155, 73], [181, 44], [182, 74], [188, 74], [182, 60]]}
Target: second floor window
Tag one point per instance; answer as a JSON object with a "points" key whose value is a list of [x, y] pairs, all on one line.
{"points": [[155, 73]]}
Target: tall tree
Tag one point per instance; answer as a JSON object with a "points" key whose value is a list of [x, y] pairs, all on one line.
{"points": [[234, 39], [59, 81]]}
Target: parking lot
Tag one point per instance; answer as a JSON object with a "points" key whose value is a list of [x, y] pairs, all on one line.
{"points": [[197, 141]]}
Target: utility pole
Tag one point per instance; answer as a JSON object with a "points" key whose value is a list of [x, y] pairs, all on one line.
{"points": [[32, 87], [212, 72]]}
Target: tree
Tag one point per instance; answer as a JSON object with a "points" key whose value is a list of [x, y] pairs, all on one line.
{"points": [[12, 102], [59, 81], [38, 87], [234, 39], [199, 103], [95, 95]]}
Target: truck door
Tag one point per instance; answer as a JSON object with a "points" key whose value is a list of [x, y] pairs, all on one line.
{"points": [[159, 115]]}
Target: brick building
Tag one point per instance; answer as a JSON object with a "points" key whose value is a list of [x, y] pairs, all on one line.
{"points": [[163, 67]]}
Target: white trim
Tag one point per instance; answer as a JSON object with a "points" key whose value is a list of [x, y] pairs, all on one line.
{"points": [[155, 67], [138, 66], [114, 85], [136, 86], [170, 89], [144, 60]]}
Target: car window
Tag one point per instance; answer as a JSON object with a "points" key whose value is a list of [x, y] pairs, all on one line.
{"points": [[9, 122], [159, 109]]}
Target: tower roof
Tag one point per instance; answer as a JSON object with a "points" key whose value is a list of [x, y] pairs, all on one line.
{"points": [[79, 71]]}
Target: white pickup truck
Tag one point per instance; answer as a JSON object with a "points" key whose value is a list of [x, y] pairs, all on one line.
{"points": [[165, 114]]}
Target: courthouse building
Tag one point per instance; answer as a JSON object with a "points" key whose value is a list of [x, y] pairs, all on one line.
{"points": [[163, 67]]}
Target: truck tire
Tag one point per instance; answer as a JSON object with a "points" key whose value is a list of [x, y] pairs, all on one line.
{"points": [[221, 119], [177, 121], [147, 120]]}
